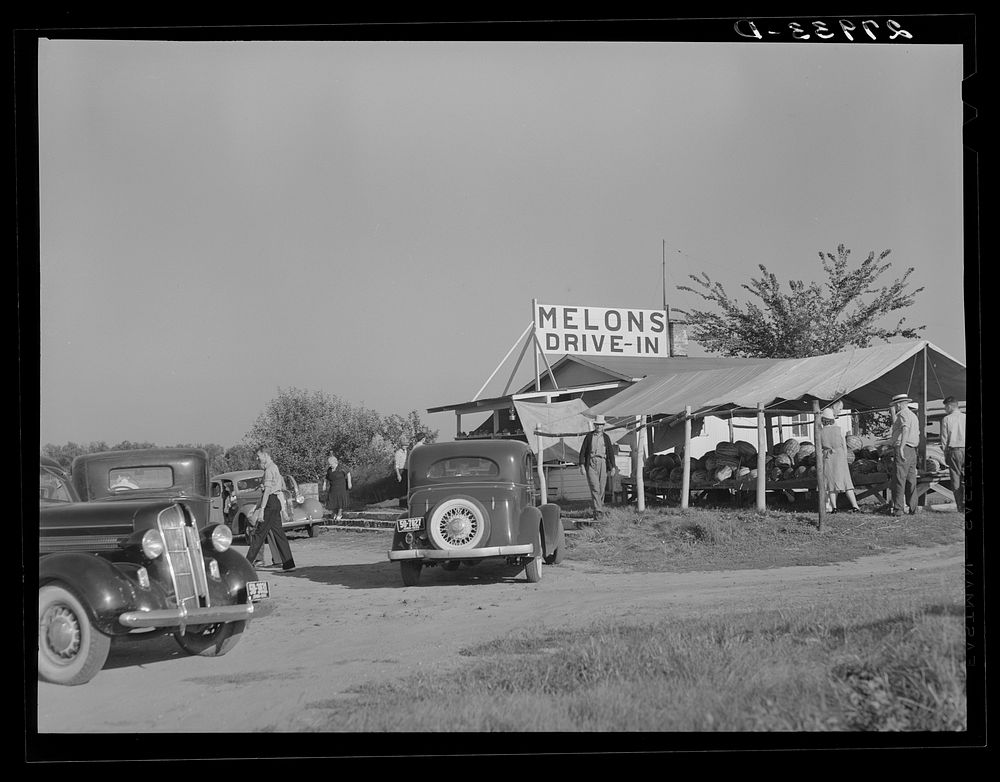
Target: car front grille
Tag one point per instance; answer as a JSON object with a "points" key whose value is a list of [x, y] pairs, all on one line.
{"points": [[182, 550]]}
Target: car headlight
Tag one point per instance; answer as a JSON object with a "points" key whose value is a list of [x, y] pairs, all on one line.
{"points": [[222, 537], [152, 544]]}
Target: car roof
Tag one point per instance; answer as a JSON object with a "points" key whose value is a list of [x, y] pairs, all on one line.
{"points": [[237, 474]]}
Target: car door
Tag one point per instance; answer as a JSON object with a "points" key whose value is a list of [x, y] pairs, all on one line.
{"points": [[215, 514]]}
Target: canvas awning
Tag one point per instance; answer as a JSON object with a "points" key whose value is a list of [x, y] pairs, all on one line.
{"points": [[565, 418], [862, 378]]}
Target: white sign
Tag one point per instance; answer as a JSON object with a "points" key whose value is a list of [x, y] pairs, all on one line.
{"points": [[601, 331]]}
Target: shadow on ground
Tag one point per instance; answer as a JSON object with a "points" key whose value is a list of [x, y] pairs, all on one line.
{"points": [[386, 575]]}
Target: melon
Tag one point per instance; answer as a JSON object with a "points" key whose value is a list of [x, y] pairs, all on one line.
{"points": [[774, 474], [850, 457], [790, 447], [807, 460], [746, 450], [743, 472], [699, 476], [727, 449], [811, 471], [800, 471], [677, 474], [854, 442], [782, 460], [709, 461], [671, 460], [724, 473]]}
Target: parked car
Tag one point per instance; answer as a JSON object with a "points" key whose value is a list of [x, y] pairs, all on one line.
{"points": [[471, 500], [236, 494], [117, 560]]}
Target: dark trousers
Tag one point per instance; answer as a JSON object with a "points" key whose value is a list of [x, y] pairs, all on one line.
{"points": [[271, 525], [955, 459], [904, 478]]}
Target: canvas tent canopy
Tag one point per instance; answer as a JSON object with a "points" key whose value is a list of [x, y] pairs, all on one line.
{"points": [[862, 378], [568, 420]]}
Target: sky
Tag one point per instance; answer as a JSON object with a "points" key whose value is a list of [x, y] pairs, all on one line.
{"points": [[221, 220]]}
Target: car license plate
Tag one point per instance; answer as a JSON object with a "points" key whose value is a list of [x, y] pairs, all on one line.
{"points": [[258, 590], [410, 525]]}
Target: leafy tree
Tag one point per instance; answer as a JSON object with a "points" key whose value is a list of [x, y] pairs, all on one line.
{"points": [[303, 427], [396, 429], [809, 320]]}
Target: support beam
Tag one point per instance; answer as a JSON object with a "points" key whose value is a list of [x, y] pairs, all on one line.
{"points": [[732, 433], [769, 419], [534, 337], [458, 423], [640, 447], [496, 422], [543, 491], [820, 482], [761, 456], [523, 335], [686, 479]]}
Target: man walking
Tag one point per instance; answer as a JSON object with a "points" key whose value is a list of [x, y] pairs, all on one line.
{"points": [[597, 459], [953, 444], [904, 438], [270, 510]]}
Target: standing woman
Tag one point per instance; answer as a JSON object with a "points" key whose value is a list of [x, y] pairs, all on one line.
{"points": [[338, 484], [836, 473]]}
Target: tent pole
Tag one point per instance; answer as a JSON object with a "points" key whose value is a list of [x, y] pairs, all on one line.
{"points": [[769, 419], [640, 447], [520, 356], [543, 493], [922, 449], [820, 482], [761, 456], [732, 437], [458, 424], [686, 480]]}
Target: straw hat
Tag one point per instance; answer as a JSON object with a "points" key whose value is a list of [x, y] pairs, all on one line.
{"points": [[599, 421], [900, 398]]}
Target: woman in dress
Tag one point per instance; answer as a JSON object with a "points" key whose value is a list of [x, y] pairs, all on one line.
{"points": [[338, 484], [836, 474]]}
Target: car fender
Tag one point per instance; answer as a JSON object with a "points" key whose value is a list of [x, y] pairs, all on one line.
{"points": [[105, 588], [552, 527], [235, 572], [527, 531]]}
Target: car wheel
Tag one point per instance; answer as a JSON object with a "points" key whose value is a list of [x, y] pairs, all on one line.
{"points": [[457, 523], [70, 649], [533, 570], [560, 546], [212, 641], [451, 564], [410, 570]]}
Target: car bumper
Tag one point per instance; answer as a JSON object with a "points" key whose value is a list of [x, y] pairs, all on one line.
{"points": [[476, 553], [175, 617]]}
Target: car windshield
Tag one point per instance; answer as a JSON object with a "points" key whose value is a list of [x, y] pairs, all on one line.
{"points": [[250, 484], [137, 478], [462, 466], [52, 488]]}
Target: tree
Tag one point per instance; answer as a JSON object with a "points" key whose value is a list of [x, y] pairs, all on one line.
{"points": [[396, 429], [301, 428], [810, 320]]}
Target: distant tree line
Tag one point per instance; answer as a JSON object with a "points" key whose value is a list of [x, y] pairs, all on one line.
{"points": [[301, 428]]}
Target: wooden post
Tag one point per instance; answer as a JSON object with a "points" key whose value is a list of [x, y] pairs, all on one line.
{"points": [[820, 483], [458, 423], [781, 431], [543, 493], [538, 377], [686, 480], [732, 437], [496, 422], [640, 446], [761, 456], [770, 433]]}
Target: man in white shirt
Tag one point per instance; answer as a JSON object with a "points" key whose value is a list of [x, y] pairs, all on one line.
{"points": [[953, 445], [905, 438], [269, 511]]}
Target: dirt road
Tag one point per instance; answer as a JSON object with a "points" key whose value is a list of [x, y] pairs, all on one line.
{"points": [[343, 618]]}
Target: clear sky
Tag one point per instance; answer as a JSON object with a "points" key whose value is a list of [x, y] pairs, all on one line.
{"points": [[223, 219]]}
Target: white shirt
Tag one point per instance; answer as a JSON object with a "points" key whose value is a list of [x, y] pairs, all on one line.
{"points": [[953, 430]]}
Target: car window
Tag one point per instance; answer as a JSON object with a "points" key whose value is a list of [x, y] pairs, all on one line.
{"points": [[132, 478], [463, 466], [52, 488], [250, 484], [216, 490]]}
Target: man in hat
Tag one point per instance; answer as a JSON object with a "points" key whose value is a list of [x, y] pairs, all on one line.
{"points": [[953, 444], [597, 459], [904, 438]]}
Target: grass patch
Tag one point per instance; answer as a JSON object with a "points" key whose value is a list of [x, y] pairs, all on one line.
{"points": [[869, 667], [671, 539]]}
